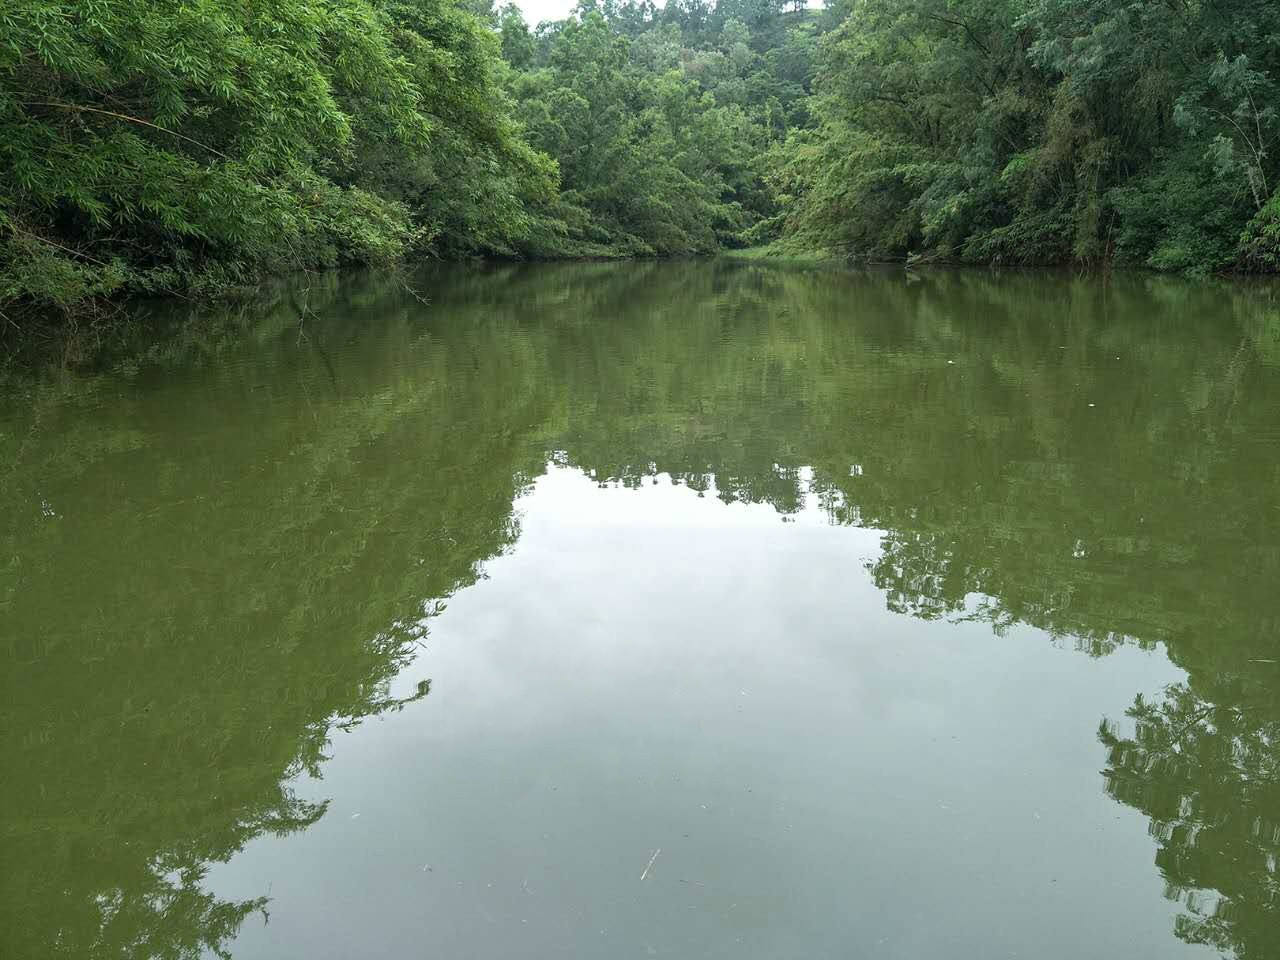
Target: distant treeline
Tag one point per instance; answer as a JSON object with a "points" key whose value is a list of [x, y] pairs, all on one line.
{"points": [[153, 147]]}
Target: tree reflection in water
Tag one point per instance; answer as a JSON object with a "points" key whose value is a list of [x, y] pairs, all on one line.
{"points": [[224, 546]]}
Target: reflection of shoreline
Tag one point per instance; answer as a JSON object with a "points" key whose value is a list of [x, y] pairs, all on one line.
{"points": [[1207, 775], [237, 515], [247, 574]]}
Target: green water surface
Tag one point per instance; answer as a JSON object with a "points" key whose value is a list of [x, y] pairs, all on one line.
{"points": [[698, 610]]}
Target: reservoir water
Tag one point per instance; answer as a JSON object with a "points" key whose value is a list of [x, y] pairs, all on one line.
{"points": [[691, 610]]}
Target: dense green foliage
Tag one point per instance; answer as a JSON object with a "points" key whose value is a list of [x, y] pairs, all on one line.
{"points": [[1045, 131], [153, 148], [661, 120], [992, 131], [156, 147]]}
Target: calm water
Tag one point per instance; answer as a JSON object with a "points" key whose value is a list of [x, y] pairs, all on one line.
{"points": [[686, 610]]}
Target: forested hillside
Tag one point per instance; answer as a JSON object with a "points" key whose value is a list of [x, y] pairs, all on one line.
{"points": [[153, 147], [1045, 131]]}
